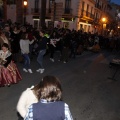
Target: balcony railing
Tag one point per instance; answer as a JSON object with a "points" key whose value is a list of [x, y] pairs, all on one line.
{"points": [[87, 14]]}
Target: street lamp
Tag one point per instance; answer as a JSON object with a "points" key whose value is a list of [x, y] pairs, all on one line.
{"points": [[25, 5], [104, 20]]}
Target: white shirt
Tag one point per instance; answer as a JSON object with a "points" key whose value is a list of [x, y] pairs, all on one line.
{"points": [[26, 99], [24, 46]]}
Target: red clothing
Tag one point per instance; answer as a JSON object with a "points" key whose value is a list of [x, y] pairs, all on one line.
{"points": [[9, 74]]}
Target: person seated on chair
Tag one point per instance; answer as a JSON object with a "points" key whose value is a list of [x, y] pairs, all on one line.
{"points": [[9, 73]]}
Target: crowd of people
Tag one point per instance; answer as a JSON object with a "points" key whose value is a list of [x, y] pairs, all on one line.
{"points": [[27, 41]]}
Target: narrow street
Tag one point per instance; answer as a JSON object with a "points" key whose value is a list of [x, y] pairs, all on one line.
{"points": [[86, 87]]}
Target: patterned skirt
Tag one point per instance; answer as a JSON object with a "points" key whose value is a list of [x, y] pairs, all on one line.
{"points": [[9, 75]]}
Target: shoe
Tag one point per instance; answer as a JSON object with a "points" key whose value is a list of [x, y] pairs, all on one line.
{"points": [[64, 62], [38, 70], [8, 85], [52, 59], [25, 70], [42, 70], [30, 71]]}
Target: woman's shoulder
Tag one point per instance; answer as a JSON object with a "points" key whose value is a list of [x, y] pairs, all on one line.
{"points": [[28, 90]]}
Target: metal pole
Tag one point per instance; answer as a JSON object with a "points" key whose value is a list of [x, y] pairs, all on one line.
{"points": [[24, 15], [25, 6]]}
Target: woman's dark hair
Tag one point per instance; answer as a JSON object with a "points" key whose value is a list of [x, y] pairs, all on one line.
{"points": [[5, 45], [50, 89]]}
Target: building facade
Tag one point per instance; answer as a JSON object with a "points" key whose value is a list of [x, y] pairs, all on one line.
{"points": [[83, 15]]}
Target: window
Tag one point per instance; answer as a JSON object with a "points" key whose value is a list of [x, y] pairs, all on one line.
{"points": [[83, 5], [67, 6], [87, 10], [91, 12], [36, 6], [50, 5]]}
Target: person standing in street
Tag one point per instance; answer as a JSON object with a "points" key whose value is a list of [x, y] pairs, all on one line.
{"points": [[42, 46], [15, 43], [54, 38], [51, 106], [66, 45], [24, 46]]}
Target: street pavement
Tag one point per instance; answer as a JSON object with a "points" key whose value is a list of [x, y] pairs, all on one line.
{"points": [[86, 87]]}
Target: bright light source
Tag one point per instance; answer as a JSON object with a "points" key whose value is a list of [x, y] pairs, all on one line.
{"points": [[25, 3], [103, 19]]}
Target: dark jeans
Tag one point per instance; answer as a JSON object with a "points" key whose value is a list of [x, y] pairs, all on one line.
{"points": [[52, 51], [26, 61], [40, 57]]}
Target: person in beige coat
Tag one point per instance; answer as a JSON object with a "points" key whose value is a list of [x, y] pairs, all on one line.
{"points": [[28, 97]]}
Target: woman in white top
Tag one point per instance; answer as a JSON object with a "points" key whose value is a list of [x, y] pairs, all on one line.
{"points": [[28, 97], [24, 46]]}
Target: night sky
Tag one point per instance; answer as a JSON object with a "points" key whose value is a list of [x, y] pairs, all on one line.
{"points": [[116, 1]]}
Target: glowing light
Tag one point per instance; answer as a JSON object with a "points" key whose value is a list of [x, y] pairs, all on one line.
{"points": [[25, 3]]}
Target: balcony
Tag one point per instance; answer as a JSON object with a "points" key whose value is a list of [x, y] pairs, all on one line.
{"points": [[87, 15], [67, 14]]}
